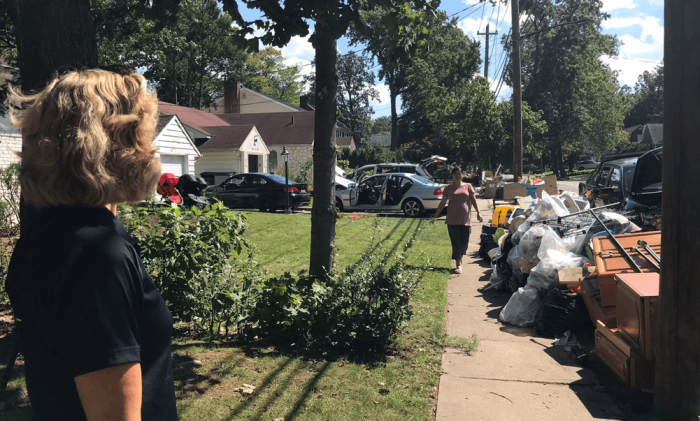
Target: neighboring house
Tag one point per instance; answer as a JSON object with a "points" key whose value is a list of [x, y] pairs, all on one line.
{"points": [[636, 133], [653, 134], [10, 142], [176, 147], [232, 149], [382, 140], [280, 123]]}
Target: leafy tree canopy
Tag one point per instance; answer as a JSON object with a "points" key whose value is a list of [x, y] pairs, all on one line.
{"points": [[267, 73], [647, 99], [381, 124]]}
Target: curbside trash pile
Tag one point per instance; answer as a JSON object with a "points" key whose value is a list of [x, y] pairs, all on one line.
{"points": [[565, 264]]}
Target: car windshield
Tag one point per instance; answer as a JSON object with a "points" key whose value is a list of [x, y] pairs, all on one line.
{"points": [[278, 178], [629, 176]]}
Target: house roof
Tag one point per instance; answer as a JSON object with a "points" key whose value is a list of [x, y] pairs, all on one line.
{"points": [[343, 141], [630, 130], [194, 118], [229, 137], [163, 121], [275, 99], [292, 128], [657, 133]]}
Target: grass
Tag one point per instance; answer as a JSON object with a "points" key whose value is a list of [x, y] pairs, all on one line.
{"points": [[401, 387]]}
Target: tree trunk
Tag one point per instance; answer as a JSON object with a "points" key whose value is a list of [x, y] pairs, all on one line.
{"points": [[678, 344], [50, 35], [394, 118], [324, 213]]}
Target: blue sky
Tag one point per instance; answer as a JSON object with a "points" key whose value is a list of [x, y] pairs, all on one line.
{"points": [[638, 24]]}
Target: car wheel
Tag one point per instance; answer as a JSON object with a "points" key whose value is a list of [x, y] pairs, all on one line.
{"points": [[338, 205], [581, 168], [266, 204], [412, 208]]}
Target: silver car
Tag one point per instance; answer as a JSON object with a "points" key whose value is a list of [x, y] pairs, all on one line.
{"points": [[409, 193]]}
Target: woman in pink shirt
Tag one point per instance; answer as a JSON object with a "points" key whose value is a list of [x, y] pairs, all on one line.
{"points": [[462, 197]]}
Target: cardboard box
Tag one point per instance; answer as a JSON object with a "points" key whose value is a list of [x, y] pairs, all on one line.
{"points": [[491, 186], [612, 348], [610, 262], [637, 299], [513, 190], [570, 278]]}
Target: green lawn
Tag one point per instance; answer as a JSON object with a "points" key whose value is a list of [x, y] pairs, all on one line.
{"points": [[403, 387]]}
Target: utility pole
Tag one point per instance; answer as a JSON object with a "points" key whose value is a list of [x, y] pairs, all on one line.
{"points": [[517, 94], [488, 39], [678, 346]]}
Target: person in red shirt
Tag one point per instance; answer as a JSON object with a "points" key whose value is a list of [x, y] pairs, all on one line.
{"points": [[462, 197]]}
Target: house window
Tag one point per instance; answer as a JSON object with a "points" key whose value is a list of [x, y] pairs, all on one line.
{"points": [[639, 138], [272, 162]]}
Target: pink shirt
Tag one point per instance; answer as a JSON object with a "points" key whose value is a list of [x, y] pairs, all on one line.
{"points": [[459, 208]]}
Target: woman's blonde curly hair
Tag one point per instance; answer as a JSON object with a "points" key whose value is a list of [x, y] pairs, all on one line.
{"points": [[87, 140]]}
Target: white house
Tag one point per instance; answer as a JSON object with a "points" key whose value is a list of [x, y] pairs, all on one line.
{"points": [[178, 152], [232, 149]]}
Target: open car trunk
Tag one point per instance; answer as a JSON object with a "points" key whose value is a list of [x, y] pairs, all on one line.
{"points": [[429, 164], [647, 183]]}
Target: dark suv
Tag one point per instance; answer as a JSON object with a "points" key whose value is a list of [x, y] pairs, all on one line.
{"points": [[610, 183]]}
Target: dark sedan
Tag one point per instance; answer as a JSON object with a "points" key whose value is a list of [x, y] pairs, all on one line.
{"points": [[610, 183], [262, 191]]}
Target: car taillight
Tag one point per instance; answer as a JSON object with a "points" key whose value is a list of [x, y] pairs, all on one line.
{"points": [[293, 190], [437, 192]]}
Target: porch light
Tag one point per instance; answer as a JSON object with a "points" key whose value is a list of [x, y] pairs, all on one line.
{"points": [[285, 154]]}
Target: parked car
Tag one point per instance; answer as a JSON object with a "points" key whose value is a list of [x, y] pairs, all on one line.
{"points": [[406, 192], [610, 183], [587, 165], [384, 168], [259, 190], [634, 182]]}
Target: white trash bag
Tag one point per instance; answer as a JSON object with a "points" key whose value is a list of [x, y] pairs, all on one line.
{"points": [[522, 308]]}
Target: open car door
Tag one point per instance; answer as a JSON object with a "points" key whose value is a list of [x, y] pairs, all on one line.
{"points": [[354, 195]]}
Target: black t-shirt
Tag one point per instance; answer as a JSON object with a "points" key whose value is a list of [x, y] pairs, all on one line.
{"points": [[86, 303]]}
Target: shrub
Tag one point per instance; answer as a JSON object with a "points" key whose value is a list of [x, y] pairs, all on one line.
{"points": [[188, 255], [9, 220], [358, 311]]}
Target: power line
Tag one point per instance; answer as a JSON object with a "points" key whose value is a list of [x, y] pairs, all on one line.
{"points": [[475, 10], [464, 10]]}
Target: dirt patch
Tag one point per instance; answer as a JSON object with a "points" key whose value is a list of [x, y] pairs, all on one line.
{"points": [[7, 320]]}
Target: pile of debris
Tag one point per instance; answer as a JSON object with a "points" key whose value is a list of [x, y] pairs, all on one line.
{"points": [[564, 263]]}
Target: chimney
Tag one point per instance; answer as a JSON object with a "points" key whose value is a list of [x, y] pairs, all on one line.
{"points": [[304, 102], [656, 119], [232, 97]]}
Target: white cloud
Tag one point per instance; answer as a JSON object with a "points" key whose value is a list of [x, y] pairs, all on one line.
{"points": [[384, 96], [656, 2], [651, 42], [299, 47], [470, 26], [610, 5], [629, 70]]}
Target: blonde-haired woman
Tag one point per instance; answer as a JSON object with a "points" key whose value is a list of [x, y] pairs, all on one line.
{"points": [[95, 332]]}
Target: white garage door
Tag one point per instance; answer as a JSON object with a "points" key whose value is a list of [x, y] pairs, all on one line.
{"points": [[172, 164]]}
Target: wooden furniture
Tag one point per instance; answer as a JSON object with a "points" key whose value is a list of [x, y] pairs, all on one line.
{"points": [[590, 293], [613, 349], [637, 298], [609, 260]]}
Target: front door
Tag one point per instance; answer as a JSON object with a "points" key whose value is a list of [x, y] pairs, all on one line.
{"points": [[252, 163]]}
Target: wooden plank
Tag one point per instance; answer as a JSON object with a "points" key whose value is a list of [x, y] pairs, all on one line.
{"points": [[614, 336], [678, 353]]}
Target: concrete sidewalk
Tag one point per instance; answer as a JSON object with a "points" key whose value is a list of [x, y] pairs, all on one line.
{"points": [[514, 374]]}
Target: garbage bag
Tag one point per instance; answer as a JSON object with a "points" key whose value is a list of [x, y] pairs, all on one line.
{"points": [[486, 244], [546, 274], [500, 232], [501, 273], [513, 259], [529, 246], [615, 222], [562, 311], [550, 207], [522, 308], [517, 280]]}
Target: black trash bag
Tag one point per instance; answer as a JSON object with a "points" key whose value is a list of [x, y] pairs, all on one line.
{"points": [[518, 280], [500, 263], [562, 311], [486, 245]]}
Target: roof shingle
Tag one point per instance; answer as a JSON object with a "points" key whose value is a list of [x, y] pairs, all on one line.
{"points": [[292, 128], [229, 137], [194, 118]]}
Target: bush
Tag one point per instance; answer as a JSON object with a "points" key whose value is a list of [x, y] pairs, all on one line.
{"points": [[188, 254], [357, 312], [9, 220]]}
